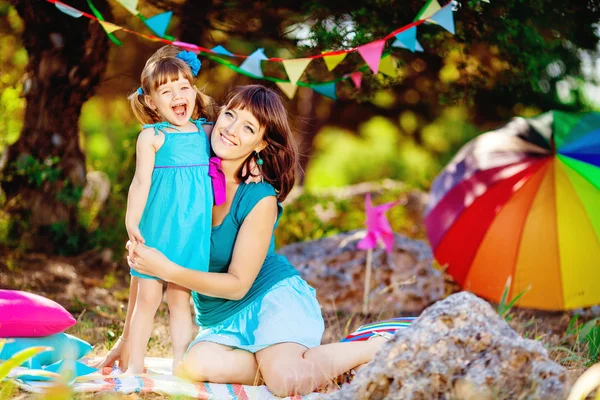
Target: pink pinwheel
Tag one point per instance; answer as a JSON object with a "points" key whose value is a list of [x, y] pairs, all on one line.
{"points": [[378, 227]]}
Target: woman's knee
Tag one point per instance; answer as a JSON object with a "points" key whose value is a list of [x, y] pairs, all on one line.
{"points": [[202, 363]]}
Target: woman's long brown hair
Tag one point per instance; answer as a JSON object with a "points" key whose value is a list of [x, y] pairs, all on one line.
{"points": [[280, 156]]}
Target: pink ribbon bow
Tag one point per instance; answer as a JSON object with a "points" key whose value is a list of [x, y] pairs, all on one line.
{"points": [[378, 226], [218, 180]]}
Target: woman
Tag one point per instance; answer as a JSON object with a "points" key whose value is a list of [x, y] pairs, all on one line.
{"points": [[257, 317]]}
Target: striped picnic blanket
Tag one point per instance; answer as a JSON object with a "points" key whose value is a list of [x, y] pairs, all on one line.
{"points": [[159, 379], [388, 325]]}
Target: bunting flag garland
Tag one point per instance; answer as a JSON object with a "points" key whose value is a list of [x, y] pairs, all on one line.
{"points": [[159, 23], [372, 53], [408, 38], [100, 19], [445, 19], [430, 8], [398, 43], [130, 5], [70, 11], [326, 89], [252, 63], [288, 88], [295, 67], [332, 61], [109, 27], [221, 50], [356, 78], [387, 66]]}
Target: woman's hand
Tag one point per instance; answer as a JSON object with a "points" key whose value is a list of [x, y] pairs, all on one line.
{"points": [[149, 261], [119, 353]]}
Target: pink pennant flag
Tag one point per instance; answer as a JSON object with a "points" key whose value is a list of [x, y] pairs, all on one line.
{"points": [[356, 78], [378, 226], [371, 53]]}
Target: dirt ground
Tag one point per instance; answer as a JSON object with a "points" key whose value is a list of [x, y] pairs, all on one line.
{"points": [[94, 288]]}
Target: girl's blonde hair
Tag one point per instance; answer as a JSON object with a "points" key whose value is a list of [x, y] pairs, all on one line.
{"points": [[161, 67]]}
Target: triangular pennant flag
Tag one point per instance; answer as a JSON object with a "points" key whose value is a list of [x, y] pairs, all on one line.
{"points": [[159, 23], [333, 61], [388, 67], [99, 17], [109, 27], [356, 78], [398, 43], [445, 19], [371, 53], [326, 89], [130, 5], [221, 50], [252, 63], [408, 38], [295, 67], [288, 88], [430, 8], [70, 11]]}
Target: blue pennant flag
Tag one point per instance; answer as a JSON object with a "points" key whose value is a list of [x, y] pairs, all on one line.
{"points": [[326, 89], [159, 23], [398, 43], [221, 50], [444, 18], [408, 38], [252, 63]]}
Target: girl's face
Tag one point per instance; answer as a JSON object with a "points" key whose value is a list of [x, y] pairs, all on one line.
{"points": [[236, 134], [174, 101]]}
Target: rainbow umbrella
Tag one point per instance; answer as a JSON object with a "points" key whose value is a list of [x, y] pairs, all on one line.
{"points": [[523, 202]]}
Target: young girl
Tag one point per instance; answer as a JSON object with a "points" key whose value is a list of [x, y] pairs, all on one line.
{"points": [[170, 198]]}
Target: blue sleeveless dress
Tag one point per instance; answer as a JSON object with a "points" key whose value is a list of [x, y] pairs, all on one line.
{"points": [[177, 218]]}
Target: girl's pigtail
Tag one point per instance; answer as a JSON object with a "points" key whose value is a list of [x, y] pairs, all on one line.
{"points": [[143, 113]]}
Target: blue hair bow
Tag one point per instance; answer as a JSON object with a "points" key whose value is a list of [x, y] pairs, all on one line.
{"points": [[191, 59]]}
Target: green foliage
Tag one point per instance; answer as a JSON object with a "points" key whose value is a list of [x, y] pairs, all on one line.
{"points": [[382, 150], [37, 172], [589, 334], [505, 305]]}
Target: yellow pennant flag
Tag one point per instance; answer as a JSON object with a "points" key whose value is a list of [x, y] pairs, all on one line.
{"points": [[428, 10], [288, 88], [130, 5], [387, 66], [294, 68], [108, 27], [333, 61]]}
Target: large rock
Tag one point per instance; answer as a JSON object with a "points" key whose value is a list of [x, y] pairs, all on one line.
{"points": [[459, 348], [406, 282]]}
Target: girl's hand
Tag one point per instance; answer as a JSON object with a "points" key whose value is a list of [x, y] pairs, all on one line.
{"points": [[149, 261], [135, 236], [119, 353]]}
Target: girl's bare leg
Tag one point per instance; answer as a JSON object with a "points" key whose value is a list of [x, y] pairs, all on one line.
{"points": [[149, 296], [216, 363], [290, 369], [181, 324]]}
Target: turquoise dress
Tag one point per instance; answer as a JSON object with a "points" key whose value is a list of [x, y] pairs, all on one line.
{"points": [[177, 218], [279, 306]]}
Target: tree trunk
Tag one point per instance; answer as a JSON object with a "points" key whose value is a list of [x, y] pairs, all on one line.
{"points": [[45, 168]]}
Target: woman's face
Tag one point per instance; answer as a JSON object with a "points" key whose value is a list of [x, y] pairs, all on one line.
{"points": [[236, 134]]}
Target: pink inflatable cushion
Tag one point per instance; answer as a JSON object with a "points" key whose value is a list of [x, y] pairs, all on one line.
{"points": [[25, 314]]}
